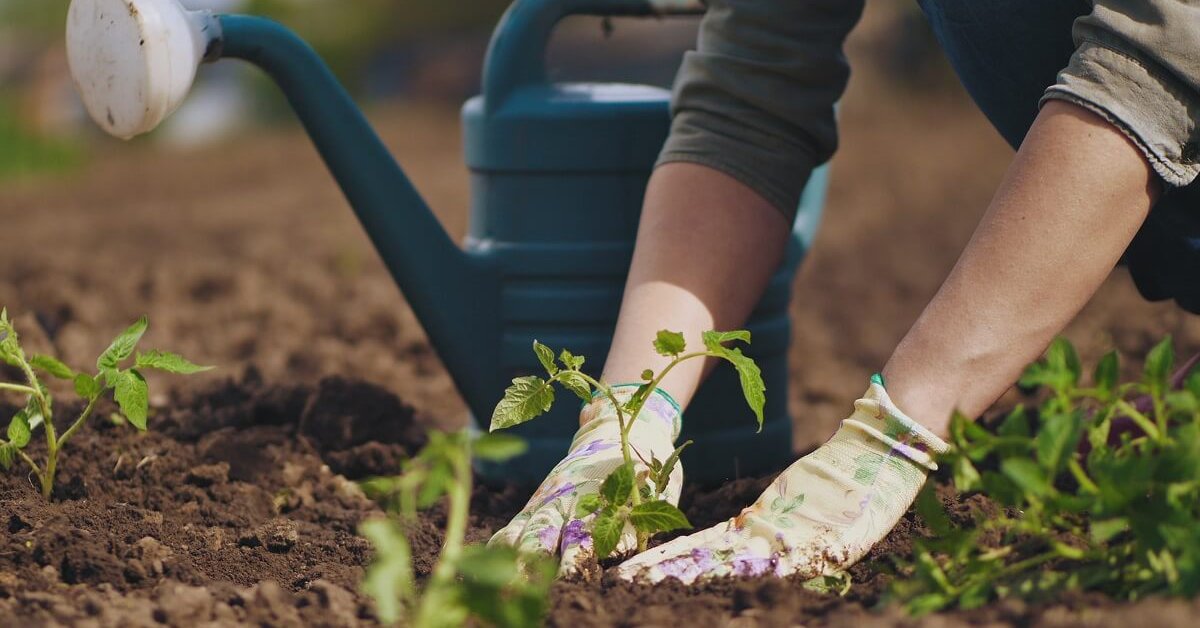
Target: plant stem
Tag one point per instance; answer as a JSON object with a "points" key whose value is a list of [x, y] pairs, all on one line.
{"points": [[56, 447], [32, 465], [21, 388], [626, 426], [1082, 478], [83, 417], [1028, 563], [1140, 419], [456, 520], [446, 570]]}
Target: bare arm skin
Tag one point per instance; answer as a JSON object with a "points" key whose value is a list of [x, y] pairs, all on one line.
{"points": [[1068, 206], [1070, 203], [707, 245]]}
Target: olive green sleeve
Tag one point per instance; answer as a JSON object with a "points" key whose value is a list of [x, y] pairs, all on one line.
{"points": [[755, 100], [1138, 65]]}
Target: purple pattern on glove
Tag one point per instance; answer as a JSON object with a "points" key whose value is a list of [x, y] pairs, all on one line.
{"points": [[556, 493], [574, 534], [548, 538], [662, 409], [593, 447]]}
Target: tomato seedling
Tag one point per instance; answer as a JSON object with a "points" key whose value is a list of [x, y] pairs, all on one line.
{"points": [[627, 496], [476, 581], [127, 383], [1099, 490]]}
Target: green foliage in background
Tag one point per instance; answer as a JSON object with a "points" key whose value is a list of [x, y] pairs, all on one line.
{"points": [[1122, 519], [41, 19], [24, 153]]}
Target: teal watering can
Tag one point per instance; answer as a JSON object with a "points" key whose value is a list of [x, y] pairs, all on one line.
{"points": [[557, 172]]}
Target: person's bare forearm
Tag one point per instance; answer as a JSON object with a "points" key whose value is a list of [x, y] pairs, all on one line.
{"points": [[707, 245], [1069, 205]]}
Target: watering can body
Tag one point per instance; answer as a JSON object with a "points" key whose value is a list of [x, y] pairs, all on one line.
{"points": [[557, 171]]}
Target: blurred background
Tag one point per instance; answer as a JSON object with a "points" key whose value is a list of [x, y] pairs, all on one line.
{"points": [[225, 228]]}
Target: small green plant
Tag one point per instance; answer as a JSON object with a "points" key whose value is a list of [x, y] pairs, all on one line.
{"points": [[127, 383], [487, 584], [1099, 490], [626, 496]]}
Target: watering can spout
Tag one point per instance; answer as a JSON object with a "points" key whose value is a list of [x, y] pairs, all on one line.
{"points": [[438, 279], [154, 46]]}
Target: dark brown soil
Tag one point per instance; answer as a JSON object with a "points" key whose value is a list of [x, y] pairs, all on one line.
{"points": [[232, 510], [239, 508]]}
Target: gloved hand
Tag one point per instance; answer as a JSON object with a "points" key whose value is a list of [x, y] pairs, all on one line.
{"points": [[822, 514], [548, 524]]}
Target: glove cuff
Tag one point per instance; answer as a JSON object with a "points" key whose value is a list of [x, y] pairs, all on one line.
{"points": [[879, 417], [660, 410]]}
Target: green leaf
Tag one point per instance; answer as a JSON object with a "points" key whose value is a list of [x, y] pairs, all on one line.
{"points": [[587, 505], [1062, 356], [663, 473], [647, 375], [571, 361], [1158, 366], [7, 455], [931, 510], [52, 366], [498, 447], [19, 432], [527, 398], [1027, 475], [10, 348], [546, 357], [657, 516], [33, 412], [753, 388], [1192, 383], [133, 396], [500, 588], [576, 383], [714, 339], [638, 399], [120, 349], [669, 343], [618, 486], [169, 362], [1107, 371], [1057, 439], [1103, 531], [87, 386], [606, 532], [389, 579], [492, 567], [1016, 423], [437, 481], [966, 476]]}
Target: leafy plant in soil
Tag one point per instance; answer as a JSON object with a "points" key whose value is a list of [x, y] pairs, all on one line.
{"points": [[1100, 488], [127, 383], [476, 581], [626, 496]]}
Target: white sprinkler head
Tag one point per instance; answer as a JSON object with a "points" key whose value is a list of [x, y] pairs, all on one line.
{"points": [[133, 61]]}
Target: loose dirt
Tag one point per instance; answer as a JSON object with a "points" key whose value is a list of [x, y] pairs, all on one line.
{"points": [[239, 506]]}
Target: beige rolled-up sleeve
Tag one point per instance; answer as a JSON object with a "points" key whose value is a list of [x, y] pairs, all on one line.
{"points": [[1137, 64], [756, 99]]}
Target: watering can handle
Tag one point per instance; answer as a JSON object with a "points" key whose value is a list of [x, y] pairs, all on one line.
{"points": [[516, 55]]}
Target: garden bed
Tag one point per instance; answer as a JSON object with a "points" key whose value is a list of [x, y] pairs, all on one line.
{"points": [[239, 508]]}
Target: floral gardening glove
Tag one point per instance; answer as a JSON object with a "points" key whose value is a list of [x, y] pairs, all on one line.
{"points": [[822, 514], [548, 524]]}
